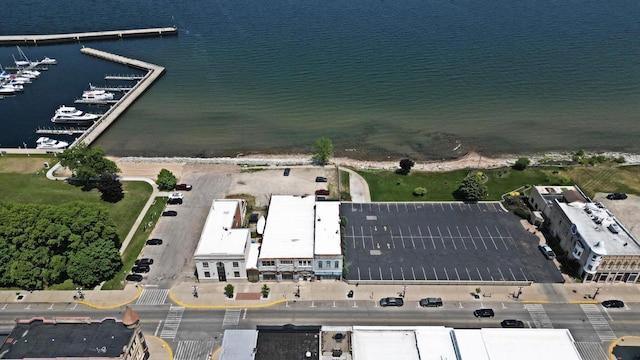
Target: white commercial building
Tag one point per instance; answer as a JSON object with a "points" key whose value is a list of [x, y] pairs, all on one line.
{"points": [[301, 239], [224, 245]]}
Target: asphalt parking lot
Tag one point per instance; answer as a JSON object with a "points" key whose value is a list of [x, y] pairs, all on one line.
{"points": [[441, 242]]}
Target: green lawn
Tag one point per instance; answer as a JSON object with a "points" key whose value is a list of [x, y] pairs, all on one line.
{"points": [[389, 186], [604, 178]]}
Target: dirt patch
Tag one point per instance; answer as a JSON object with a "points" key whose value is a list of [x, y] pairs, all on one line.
{"points": [[22, 165]]}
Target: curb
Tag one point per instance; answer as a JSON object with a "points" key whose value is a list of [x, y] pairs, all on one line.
{"points": [[583, 302], [189, 306], [535, 301], [86, 303], [164, 345]]}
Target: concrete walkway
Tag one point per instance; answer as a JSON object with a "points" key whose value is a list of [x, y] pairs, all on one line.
{"points": [[358, 187]]}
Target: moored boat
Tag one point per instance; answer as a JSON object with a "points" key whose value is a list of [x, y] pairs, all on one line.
{"points": [[97, 95], [47, 143], [71, 115], [48, 61]]}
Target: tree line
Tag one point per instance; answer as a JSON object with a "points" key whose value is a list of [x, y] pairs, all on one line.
{"points": [[42, 245]]}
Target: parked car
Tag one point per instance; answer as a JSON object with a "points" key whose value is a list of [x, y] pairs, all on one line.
{"points": [[391, 301], [430, 302], [546, 251], [286, 171], [176, 195], [154, 242], [134, 277], [140, 269], [183, 187], [613, 303], [322, 192], [170, 213], [511, 323], [485, 312], [321, 179], [175, 201], [617, 196], [144, 261]]}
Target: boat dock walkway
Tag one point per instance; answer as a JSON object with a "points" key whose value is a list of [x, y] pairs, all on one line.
{"points": [[94, 102], [124, 77], [69, 131], [96, 35], [110, 88]]}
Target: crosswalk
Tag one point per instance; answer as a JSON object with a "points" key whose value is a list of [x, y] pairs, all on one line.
{"points": [[598, 322], [539, 316], [591, 351], [153, 297], [231, 317], [172, 322], [193, 350]]}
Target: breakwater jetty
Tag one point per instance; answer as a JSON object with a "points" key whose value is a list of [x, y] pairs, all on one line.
{"points": [[95, 35]]}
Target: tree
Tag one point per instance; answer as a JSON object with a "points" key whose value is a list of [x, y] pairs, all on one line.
{"points": [[471, 189], [322, 150], [166, 180], [228, 290], [405, 166], [97, 262], [110, 188], [87, 163], [265, 291], [521, 163]]}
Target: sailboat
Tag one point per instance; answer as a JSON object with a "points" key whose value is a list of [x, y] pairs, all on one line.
{"points": [[24, 60]]}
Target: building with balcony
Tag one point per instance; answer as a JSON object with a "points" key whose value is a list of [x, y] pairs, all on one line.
{"points": [[224, 245], [76, 337]]}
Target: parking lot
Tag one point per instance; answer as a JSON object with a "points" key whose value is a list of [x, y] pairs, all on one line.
{"points": [[441, 242]]}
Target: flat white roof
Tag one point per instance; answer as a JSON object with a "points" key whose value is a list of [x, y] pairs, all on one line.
{"points": [[327, 232], [239, 344], [252, 258], [373, 344], [436, 343], [527, 344], [289, 231], [593, 233], [218, 237]]}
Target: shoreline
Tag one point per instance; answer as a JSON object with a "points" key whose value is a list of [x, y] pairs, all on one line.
{"points": [[471, 160]]}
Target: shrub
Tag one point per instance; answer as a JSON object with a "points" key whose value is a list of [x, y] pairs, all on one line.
{"points": [[228, 290], [419, 191], [521, 163]]}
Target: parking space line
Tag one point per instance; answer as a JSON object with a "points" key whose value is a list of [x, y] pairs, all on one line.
{"points": [[380, 269], [424, 273], [431, 237], [479, 274], [452, 240], [468, 274], [491, 276], [422, 238], [461, 238], [393, 242], [402, 273], [446, 273], [434, 271], [501, 276], [441, 238], [491, 237], [411, 237], [512, 274], [481, 238], [359, 277], [370, 276], [458, 275], [523, 274], [502, 238], [413, 273], [471, 237]]}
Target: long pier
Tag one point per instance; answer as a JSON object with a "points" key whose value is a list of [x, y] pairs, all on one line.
{"points": [[95, 35]]}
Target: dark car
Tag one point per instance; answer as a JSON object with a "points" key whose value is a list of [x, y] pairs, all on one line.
{"points": [[322, 192], [170, 213], [391, 301], [286, 171], [140, 269], [185, 187], [613, 303], [321, 179], [154, 242], [144, 261], [484, 313], [511, 323], [617, 196], [431, 302], [174, 201], [134, 277]]}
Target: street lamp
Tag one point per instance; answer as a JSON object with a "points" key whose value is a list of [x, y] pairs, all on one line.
{"points": [[195, 291], [519, 292], [596, 293], [404, 291], [298, 292]]}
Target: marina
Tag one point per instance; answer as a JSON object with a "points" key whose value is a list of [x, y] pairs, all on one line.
{"points": [[94, 102], [95, 35], [124, 77], [110, 88], [60, 131]]}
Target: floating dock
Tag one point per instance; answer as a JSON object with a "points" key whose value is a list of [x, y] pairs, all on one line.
{"points": [[124, 77], [94, 102], [69, 131], [75, 37], [110, 88]]}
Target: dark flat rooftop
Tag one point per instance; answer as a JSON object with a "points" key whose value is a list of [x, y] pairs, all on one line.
{"points": [[288, 342], [50, 340]]}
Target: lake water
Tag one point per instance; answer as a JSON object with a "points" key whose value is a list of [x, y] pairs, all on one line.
{"points": [[410, 78]]}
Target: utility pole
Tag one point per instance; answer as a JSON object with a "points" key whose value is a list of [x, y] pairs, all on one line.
{"points": [[298, 292], [596, 293], [519, 292]]}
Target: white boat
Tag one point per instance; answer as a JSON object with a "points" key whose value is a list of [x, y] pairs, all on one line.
{"points": [[47, 143], [23, 60], [7, 90], [71, 115], [48, 61], [14, 79], [97, 95], [29, 73]]}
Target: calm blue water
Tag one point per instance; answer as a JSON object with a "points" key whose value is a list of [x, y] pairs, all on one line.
{"points": [[385, 78]]}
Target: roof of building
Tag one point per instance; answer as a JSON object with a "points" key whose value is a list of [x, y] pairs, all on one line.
{"points": [[327, 232], [592, 221], [239, 345], [252, 258], [218, 236], [289, 231], [66, 338], [288, 342]]}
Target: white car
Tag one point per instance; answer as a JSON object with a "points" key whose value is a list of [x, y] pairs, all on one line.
{"points": [[546, 251], [176, 195]]}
